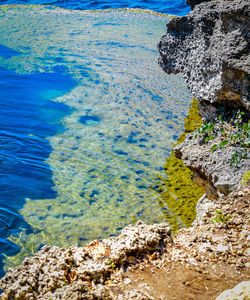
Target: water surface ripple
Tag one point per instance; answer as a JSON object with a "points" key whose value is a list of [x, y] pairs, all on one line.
{"points": [[87, 119], [177, 7]]}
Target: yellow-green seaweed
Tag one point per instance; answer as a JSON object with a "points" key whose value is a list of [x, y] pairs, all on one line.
{"points": [[178, 193], [245, 178]]}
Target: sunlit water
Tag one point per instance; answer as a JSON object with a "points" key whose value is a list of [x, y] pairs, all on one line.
{"points": [[174, 7], [87, 120]]}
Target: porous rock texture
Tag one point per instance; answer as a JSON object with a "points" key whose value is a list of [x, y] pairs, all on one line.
{"points": [[203, 260], [212, 170], [240, 291], [210, 48], [79, 272]]}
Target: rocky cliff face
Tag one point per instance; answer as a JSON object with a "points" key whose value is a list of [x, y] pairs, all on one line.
{"points": [[210, 49]]}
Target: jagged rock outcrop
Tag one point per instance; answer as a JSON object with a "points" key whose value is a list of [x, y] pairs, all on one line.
{"points": [[210, 48], [78, 272], [212, 170]]}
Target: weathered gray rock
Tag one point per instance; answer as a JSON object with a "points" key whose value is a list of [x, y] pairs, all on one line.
{"points": [[137, 239], [210, 48], [214, 168], [202, 207], [78, 272]]}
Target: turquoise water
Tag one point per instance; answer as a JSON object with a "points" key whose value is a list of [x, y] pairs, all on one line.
{"points": [[87, 120]]}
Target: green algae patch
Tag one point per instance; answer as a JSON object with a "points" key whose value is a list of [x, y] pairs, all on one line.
{"points": [[245, 178], [178, 193]]}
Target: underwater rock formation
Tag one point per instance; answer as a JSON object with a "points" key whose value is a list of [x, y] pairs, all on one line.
{"points": [[210, 48]]}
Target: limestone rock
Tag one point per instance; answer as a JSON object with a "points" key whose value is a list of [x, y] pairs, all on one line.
{"points": [[202, 207], [210, 48], [79, 272], [137, 239], [213, 169], [240, 292]]}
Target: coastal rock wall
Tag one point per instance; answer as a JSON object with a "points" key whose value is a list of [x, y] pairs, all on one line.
{"points": [[210, 49]]}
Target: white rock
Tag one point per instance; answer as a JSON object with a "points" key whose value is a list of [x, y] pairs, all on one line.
{"points": [[221, 248], [239, 292]]}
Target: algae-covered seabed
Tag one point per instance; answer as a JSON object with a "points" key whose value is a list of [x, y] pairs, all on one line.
{"points": [[125, 115]]}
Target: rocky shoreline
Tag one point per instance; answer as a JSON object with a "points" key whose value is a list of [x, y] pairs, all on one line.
{"points": [[205, 259], [210, 49]]}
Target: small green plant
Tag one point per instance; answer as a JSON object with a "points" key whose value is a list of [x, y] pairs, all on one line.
{"points": [[206, 129], [245, 178], [237, 157], [110, 263], [232, 131], [220, 217]]}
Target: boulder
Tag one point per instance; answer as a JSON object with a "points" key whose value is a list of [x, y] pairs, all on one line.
{"points": [[212, 170]]}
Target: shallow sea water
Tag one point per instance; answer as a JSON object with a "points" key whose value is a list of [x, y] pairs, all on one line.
{"points": [[174, 7], [87, 119]]}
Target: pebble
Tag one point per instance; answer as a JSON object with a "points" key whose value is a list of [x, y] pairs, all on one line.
{"points": [[127, 281], [240, 193]]}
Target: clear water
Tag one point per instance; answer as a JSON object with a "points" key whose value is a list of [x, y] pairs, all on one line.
{"points": [[174, 7], [87, 120]]}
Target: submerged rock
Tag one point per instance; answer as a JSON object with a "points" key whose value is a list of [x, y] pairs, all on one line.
{"points": [[79, 272], [210, 48]]}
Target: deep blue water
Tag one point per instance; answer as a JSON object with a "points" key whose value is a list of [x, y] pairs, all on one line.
{"points": [[175, 7], [26, 119], [29, 116]]}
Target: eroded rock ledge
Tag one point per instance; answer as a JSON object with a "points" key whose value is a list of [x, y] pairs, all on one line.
{"points": [[210, 48], [79, 272], [212, 170], [144, 262]]}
